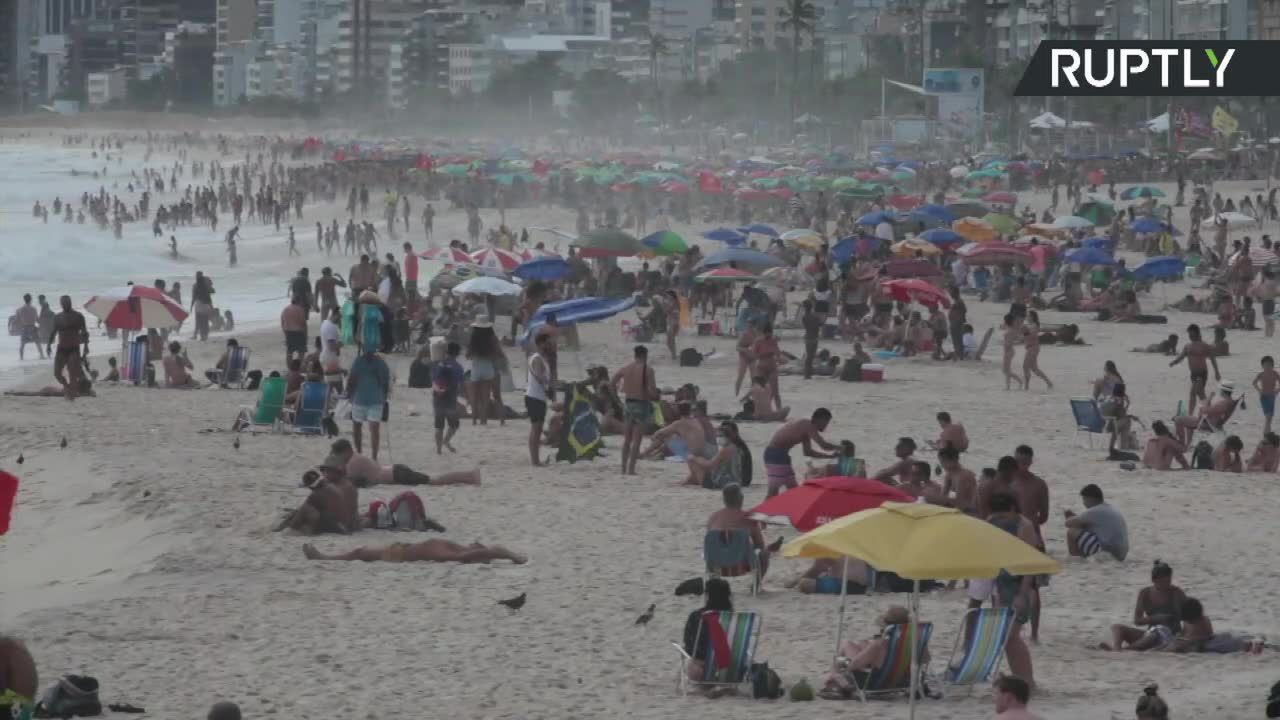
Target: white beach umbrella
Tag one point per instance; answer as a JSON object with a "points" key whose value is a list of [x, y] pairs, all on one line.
{"points": [[486, 286]]}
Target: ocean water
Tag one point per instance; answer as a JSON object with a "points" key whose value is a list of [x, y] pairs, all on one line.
{"points": [[60, 258]]}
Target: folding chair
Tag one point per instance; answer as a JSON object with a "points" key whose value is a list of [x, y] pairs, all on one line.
{"points": [[980, 647], [730, 553], [265, 414], [309, 409], [1088, 417], [236, 371], [894, 674], [741, 634], [135, 361]]}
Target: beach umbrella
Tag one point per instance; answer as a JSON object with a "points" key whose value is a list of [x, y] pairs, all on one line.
{"points": [[875, 218], [942, 237], [725, 235], [910, 269], [1150, 225], [974, 230], [1089, 256], [555, 231], [995, 253], [608, 242], [939, 212], [1071, 222], [1003, 198], [919, 541], [486, 286], [1236, 219], [758, 229], [967, 208], [134, 307], [447, 255], [1044, 231], [577, 310], [1003, 224], [822, 500], [787, 277], [745, 258], [726, 274], [664, 242], [1103, 243], [1141, 191], [959, 171], [911, 246], [803, 238], [903, 203], [543, 268], [1165, 267], [493, 258], [1099, 212], [915, 290], [449, 278], [841, 183]]}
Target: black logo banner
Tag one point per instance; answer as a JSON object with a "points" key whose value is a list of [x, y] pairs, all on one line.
{"points": [[1077, 68]]}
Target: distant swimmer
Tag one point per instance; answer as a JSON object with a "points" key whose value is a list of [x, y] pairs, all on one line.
{"points": [[173, 246]]}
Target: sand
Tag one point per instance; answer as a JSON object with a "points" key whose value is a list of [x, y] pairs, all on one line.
{"points": [[142, 554]]}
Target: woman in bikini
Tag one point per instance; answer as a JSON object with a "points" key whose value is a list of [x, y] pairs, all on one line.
{"points": [[746, 356], [1031, 356], [1010, 341]]}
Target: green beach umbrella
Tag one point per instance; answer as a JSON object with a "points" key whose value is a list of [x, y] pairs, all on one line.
{"points": [[1003, 224], [664, 242], [606, 242]]}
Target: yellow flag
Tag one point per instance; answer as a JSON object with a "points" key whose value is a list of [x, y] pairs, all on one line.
{"points": [[1223, 122]]}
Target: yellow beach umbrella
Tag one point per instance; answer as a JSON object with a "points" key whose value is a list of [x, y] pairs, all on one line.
{"points": [[909, 247], [803, 238], [922, 542], [974, 230]]}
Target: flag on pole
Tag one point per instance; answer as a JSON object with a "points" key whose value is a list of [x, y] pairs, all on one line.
{"points": [[1223, 122]]}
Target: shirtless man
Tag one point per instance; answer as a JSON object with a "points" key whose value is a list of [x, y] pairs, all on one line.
{"points": [[1033, 502], [952, 435], [361, 276], [899, 471], [1162, 450], [177, 368], [732, 517], [1011, 695], [759, 405], [28, 327], [1199, 355], [682, 438], [639, 390], [293, 323], [959, 485], [671, 304], [806, 433], [1001, 482], [920, 483], [1216, 412], [363, 472], [434, 550], [326, 291], [331, 507], [73, 347]]}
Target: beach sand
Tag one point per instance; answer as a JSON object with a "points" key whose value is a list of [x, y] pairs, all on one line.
{"points": [[142, 554]]}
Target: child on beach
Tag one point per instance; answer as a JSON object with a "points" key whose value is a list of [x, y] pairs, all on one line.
{"points": [[1267, 383]]}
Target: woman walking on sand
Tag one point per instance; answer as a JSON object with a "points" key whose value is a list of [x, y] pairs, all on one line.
{"points": [[1010, 341], [1031, 356]]}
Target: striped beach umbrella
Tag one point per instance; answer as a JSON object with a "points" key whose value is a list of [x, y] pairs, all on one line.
{"points": [[134, 307]]}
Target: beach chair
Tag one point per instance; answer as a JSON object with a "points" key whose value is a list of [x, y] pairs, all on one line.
{"points": [[730, 554], [976, 660], [1088, 417], [237, 370], [894, 674], [309, 410], [265, 414], [1207, 426], [135, 361], [741, 634]]}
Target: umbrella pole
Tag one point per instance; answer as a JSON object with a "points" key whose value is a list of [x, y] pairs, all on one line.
{"points": [[844, 585], [915, 629]]}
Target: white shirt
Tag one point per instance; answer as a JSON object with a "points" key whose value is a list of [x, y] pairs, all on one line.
{"points": [[534, 387], [884, 231], [970, 343], [384, 289], [330, 336]]}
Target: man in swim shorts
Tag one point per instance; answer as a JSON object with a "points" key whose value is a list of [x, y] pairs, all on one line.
{"points": [[73, 346], [1199, 355], [639, 389], [806, 433]]}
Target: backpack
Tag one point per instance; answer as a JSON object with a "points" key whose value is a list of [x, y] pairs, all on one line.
{"points": [[765, 683], [690, 358], [403, 512], [73, 696], [1202, 456]]}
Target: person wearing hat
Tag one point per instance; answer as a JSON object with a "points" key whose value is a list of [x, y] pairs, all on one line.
{"points": [[1216, 412], [1099, 528]]}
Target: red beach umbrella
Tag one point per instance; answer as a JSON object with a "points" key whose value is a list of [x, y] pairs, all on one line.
{"points": [[820, 501], [134, 307]]}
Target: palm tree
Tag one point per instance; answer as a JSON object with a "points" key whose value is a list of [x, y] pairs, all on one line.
{"points": [[657, 48], [799, 17]]}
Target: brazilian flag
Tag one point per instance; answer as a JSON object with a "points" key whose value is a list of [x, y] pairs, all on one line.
{"points": [[580, 433]]}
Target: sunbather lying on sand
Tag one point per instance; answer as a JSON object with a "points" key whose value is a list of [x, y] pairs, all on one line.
{"points": [[434, 550], [85, 389]]}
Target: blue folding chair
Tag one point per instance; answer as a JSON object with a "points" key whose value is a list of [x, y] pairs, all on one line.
{"points": [[309, 411], [730, 553], [1088, 417]]}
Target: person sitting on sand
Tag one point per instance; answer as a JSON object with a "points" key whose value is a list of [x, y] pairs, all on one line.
{"points": [[732, 517], [1157, 615], [1226, 457], [858, 658], [1163, 449], [1198, 636], [1188, 303], [1126, 309], [899, 471], [725, 466], [846, 464], [1151, 706], [1215, 411], [363, 472], [951, 435], [216, 374], [1221, 348], [1099, 528], [1011, 695], [332, 505], [1266, 457], [682, 438], [434, 550], [1168, 346], [177, 369], [758, 404], [823, 577], [697, 641], [113, 374]]}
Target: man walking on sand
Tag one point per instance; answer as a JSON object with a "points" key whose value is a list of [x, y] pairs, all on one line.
{"points": [[535, 395], [446, 383], [1199, 355], [639, 390], [369, 387], [73, 346]]}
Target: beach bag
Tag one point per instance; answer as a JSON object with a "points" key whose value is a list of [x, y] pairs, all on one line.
{"points": [[370, 326], [72, 696], [690, 358], [765, 683], [403, 512], [348, 322], [1202, 456]]}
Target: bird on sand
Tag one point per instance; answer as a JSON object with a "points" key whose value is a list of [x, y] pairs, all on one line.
{"points": [[514, 603], [647, 616], [236, 444]]}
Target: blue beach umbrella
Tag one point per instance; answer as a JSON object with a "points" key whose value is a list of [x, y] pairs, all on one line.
{"points": [[875, 218], [1090, 256], [545, 268], [758, 229], [942, 237], [1160, 268], [725, 235]]}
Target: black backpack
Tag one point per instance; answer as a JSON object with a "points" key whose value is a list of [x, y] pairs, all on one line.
{"points": [[690, 358], [765, 683], [1202, 456]]}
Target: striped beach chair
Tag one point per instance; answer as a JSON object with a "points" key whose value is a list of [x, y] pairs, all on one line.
{"points": [[741, 632], [975, 658], [730, 554], [894, 674], [237, 370], [135, 361]]}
